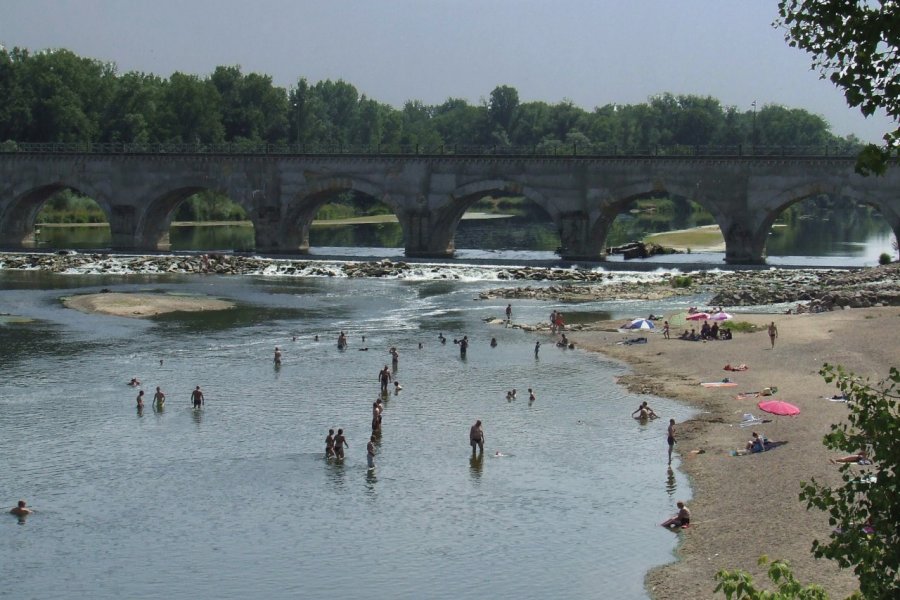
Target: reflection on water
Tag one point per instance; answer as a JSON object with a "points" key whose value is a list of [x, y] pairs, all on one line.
{"points": [[848, 236], [671, 486]]}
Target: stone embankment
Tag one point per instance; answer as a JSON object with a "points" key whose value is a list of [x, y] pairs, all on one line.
{"points": [[817, 290]]}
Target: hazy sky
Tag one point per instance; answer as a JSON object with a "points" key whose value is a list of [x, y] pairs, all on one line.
{"points": [[592, 52]]}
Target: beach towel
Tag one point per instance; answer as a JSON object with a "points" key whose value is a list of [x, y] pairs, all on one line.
{"points": [[640, 340], [749, 420], [715, 384], [835, 398], [745, 395]]}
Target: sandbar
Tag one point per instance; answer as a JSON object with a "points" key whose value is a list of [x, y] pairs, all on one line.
{"points": [[142, 306], [744, 507]]}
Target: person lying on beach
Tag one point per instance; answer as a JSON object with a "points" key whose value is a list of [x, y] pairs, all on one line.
{"points": [[740, 367], [860, 458], [682, 519]]}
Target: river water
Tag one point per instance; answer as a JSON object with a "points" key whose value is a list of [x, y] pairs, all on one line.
{"points": [[236, 500]]}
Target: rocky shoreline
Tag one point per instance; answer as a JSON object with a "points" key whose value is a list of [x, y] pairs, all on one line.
{"points": [[815, 289]]}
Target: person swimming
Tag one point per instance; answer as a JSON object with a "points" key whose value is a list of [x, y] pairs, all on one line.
{"points": [[21, 509]]}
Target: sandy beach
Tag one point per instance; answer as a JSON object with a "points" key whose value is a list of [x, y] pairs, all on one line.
{"points": [[744, 507], [142, 306]]}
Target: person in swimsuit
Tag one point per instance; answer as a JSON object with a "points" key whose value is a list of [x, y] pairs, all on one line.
{"points": [[682, 519], [159, 398], [277, 357], [140, 400], [370, 452], [329, 444], [644, 412], [21, 509], [476, 438], [666, 330], [463, 346], [376, 415], [671, 438], [493, 342], [385, 377], [395, 357], [197, 398], [531, 396], [340, 442], [508, 312], [537, 348], [773, 333]]}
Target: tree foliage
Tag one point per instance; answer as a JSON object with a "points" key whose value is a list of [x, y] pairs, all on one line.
{"points": [[56, 96], [739, 585], [855, 45], [865, 510]]}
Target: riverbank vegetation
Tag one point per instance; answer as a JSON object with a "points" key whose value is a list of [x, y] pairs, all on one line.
{"points": [[58, 96]]}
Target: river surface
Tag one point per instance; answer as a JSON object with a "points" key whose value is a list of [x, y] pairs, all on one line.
{"points": [[844, 240], [236, 500]]}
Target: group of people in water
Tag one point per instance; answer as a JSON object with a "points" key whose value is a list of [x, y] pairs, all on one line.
{"points": [[159, 398]]}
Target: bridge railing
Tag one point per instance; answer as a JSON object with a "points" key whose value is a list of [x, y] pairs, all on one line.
{"points": [[541, 150]]}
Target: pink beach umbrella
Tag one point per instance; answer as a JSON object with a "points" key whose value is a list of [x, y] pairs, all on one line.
{"points": [[698, 317], [720, 316], [779, 407]]}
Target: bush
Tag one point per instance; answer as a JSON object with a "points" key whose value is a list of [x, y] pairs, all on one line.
{"points": [[743, 326], [884, 259], [682, 281]]}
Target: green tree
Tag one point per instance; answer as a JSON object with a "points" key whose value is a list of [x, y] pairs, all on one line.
{"points": [[854, 45], [190, 111], [502, 107], [865, 510], [739, 585]]}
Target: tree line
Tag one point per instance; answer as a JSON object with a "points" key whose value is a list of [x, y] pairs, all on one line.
{"points": [[58, 96]]}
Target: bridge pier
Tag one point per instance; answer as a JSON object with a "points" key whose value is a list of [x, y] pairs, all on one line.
{"points": [[576, 239], [423, 239], [742, 247]]}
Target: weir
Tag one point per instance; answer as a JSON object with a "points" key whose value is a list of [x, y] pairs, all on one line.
{"points": [[429, 193]]}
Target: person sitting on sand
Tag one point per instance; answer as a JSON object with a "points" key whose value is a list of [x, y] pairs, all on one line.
{"points": [[21, 509], [684, 335], [860, 458], [682, 519], [756, 444], [644, 412]]}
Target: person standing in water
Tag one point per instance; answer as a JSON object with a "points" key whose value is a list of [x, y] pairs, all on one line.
{"points": [[508, 313], [773, 333], [329, 444], [197, 398], [384, 377], [21, 509], [671, 438], [370, 453], [159, 399], [140, 400], [277, 357], [476, 438], [463, 346], [395, 357], [537, 348], [340, 442], [531, 396]]}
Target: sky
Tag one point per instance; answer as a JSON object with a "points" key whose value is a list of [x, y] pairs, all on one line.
{"points": [[589, 52]]}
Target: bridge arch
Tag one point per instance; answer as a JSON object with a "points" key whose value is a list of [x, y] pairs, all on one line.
{"points": [[17, 221], [301, 209], [769, 211], [620, 198], [151, 226], [444, 219]]}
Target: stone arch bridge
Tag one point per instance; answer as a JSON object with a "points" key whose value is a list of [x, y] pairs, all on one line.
{"points": [[429, 193]]}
